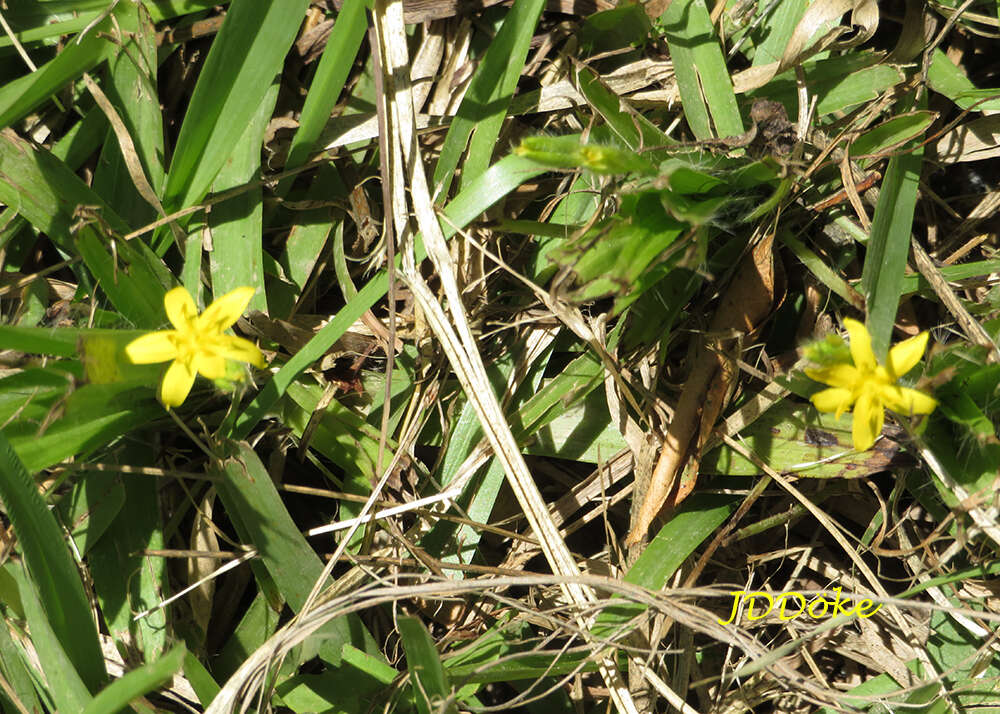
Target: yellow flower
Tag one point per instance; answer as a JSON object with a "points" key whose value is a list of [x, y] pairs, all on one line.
{"points": [[198, 344], [869, 386]]}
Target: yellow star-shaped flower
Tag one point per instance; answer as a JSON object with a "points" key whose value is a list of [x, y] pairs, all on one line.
{"points": [[869, 386], [197, 344]]}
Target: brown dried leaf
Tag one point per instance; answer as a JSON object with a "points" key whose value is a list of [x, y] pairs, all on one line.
{"points": [[745, 305]]}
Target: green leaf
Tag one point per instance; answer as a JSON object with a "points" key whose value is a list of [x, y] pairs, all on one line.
{"points": [[702, 76], [47, 192], [14, 663], [237, 256], [262, 520], [245, 56], [36, 20], [66, 687], [947, 79], [693, 522], [631, 127], [484, 106], [131, 88], [19, 97], [793, 437], [60, 593], [90, 417], [889, 246], [892, 133], [431, 688], [138, 527], [136, 683], [338, 57]]}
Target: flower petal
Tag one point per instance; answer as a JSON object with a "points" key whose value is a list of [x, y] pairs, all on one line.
{"points": [[180, 308], [209, 365], [152, 348], [861, 345], [226, 310], [904, 356], [243, 350], [904, 400], [868, 419], [176, 384], [836, 375], [835, 399]]}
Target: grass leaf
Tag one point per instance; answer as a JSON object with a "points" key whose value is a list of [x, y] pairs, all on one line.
{"points": [[60, 592], [245, 56]]}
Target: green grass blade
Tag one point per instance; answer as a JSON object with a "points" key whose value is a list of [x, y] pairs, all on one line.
{"points": [[951, 81], [484, 106], [777, 29], [502, 178], [34, 21], [14, 665], [430, 683], [631, 127], [702, 77], [47, 192], [24, 94], [40, 340], [889, 246], [237, 257], [51, 567], [65, 686], [130, 86], [262, 520], [247, 53], [338, 58], [136, 683], [136, 528], [140, 302], [91, 416]]}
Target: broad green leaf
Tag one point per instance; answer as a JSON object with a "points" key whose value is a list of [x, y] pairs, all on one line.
{"points": [[793, 437], [62, 602], [947, 79], [258, 622], [893, 132], [237, 258], [838, 83], [90, 417]]}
